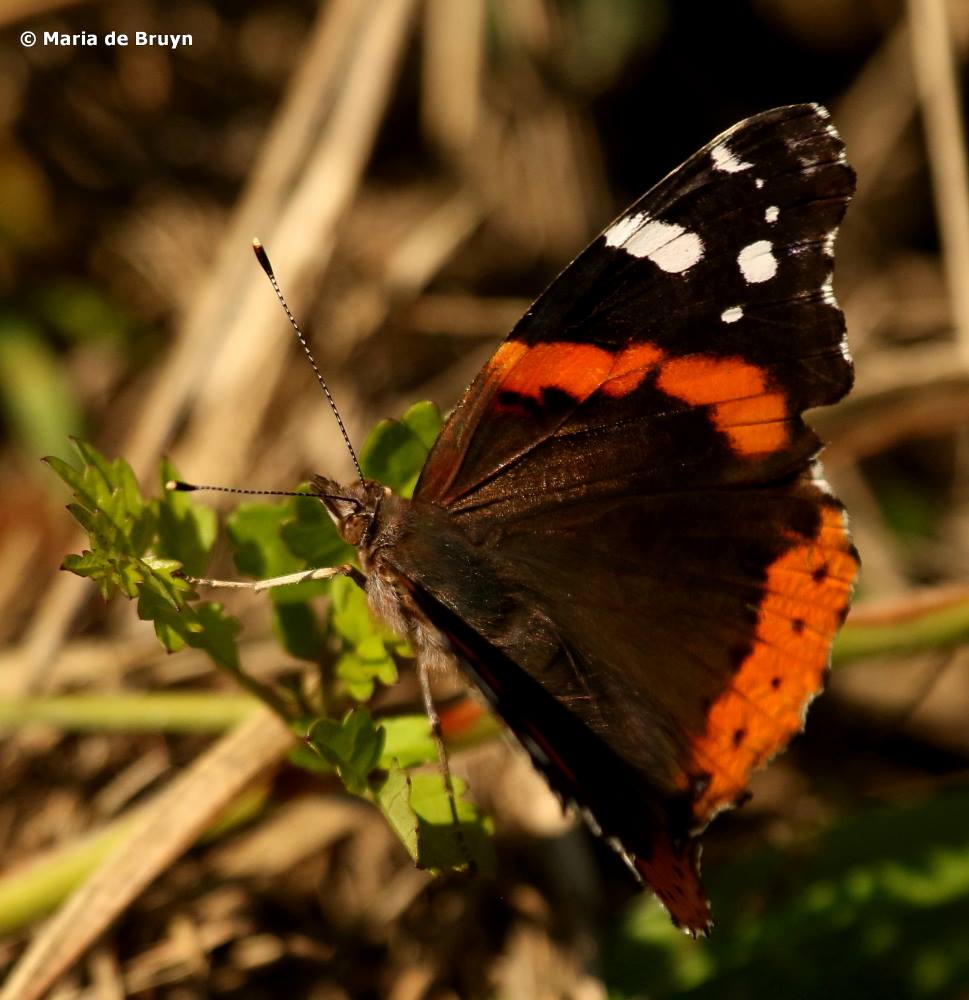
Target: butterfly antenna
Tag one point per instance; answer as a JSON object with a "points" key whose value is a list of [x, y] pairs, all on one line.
{"points": [[177, 486], [263, 259]]}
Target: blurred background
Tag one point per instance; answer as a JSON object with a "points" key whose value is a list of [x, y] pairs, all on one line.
{"points": [[419, 170]]}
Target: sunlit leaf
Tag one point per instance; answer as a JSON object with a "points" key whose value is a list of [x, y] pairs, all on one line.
{"points": [[186, 530], [395, 451]]}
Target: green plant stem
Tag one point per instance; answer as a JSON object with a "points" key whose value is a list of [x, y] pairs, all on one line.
{"points": [[919, 629], [940, 626], [32, 891], [170, 712], [264, 692]]}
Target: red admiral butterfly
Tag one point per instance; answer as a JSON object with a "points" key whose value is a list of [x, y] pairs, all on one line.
{"points": [[621, 533]]}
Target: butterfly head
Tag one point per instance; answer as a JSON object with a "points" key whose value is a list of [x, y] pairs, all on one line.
{"points": [[352, 508]]}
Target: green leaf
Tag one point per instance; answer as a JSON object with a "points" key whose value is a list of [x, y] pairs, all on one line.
{"points": [[311, 536], [260, 552], [170, 627], [395, 451], [367, 663], [163, 600], [408, 740], [877, 906], [353, 747], [215, 632], [186, 530], [440, 846], [109, 505], [415, 806], [253, 529], [349, 613], [109, 574], [299, 630], [392, 798], [73, 477], [424, 419], [79, 312], [36, 393]]}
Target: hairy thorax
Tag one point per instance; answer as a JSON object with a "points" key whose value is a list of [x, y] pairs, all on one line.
{"points": [[374, 520]]}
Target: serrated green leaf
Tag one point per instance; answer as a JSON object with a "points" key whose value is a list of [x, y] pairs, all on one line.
{"points": [[87, 519], [131, 575], [108, 504], [122, 527], [162, 583], [204, 626], [353, 747], [98, 468], [96, 566], [392, 797], [78, 480], [440, 846], [73, 477], [186, 530], [87, 563], [155, 607]]}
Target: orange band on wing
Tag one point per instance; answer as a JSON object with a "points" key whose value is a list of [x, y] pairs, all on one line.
{"points": [[806, 594], [578, 369], [753, 418]]}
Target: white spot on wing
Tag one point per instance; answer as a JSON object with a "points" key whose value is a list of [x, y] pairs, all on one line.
{"points": [[669, 246], [732, 314], [771, 213], [759, 181], [757, 262], [829, 242], [827, 293], [727, 161], [817, 477]]}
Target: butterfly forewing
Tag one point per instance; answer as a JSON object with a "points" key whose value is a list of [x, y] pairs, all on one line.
{"points": [[684, 342]]}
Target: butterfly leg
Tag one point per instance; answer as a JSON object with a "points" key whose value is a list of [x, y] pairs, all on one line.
{"points": [[423, 674], [320, 573]]}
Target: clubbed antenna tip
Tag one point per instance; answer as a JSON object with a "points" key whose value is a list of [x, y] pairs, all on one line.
{"points": [[262, 257]]}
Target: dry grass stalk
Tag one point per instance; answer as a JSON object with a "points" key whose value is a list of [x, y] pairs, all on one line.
{"points": [[938, 82]]}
